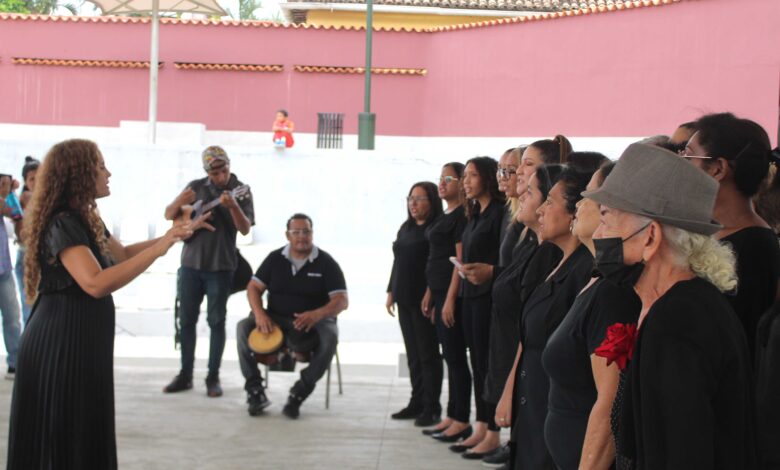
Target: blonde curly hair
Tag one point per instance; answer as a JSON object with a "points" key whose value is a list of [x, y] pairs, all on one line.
{"points": [[708, 258], [66, 179]]}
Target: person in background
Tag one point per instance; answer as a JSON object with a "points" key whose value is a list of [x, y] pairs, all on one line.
{"points": [[29, 171], [507, 184], [688, 399], [545, 151], [208, 262], [283, 128], [768, 199], [582, 384], [406, 289], [481, 242], [683, 134], [9, 304], [306, 292], [736, 153], [441, 301]]}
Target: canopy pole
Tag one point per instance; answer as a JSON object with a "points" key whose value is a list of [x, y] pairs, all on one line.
{"points": [[153, 71]]}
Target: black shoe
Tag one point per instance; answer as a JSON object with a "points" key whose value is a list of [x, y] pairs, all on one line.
{"points": [[213, 387], [468, 455], [293, 407], [432, 431], [459, 448], [427, 419], [455, 437], [498, 459], [179, 383], [407, 413], [257, 401], [11, 373]]}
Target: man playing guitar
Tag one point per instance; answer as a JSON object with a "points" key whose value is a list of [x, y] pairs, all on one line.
{"points": [[208, 261]]}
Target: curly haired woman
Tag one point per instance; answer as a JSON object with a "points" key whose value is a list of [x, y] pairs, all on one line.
{"points": [[62, 411]]}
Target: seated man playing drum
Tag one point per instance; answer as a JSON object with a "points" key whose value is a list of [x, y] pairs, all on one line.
{"points": [[306, 291]]}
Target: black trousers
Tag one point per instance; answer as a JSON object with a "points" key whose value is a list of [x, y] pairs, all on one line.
{"points": [[453, 346], [422, 355], [476, 328]]}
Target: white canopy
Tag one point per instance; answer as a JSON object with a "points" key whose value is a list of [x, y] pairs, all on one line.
{"points": [[119, 7]]}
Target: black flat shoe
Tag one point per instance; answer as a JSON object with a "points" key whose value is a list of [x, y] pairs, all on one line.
{"points": [[455, 437], [459, 448], [478, 455], [432, 431], [407, 413]]}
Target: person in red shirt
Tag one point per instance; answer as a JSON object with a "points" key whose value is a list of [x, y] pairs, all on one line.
{"points": [[283, 128]]}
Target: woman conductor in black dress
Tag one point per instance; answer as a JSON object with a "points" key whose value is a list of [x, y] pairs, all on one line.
{"points": [[62, 411]]}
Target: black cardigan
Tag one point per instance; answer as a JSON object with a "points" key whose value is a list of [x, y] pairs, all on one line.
{"points": [[689, 401]]}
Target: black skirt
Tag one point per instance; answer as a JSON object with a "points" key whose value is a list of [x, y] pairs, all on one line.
{"points": [[62, 411]]}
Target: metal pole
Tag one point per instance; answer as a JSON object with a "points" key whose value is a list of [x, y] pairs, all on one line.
{"points": [[369, 39], [153, 71], [367, 120]]}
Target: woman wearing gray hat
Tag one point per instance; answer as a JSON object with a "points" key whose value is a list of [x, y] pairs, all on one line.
{"points": [[736, 153], [687, 398]]}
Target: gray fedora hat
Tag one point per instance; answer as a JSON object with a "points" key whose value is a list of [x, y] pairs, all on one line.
{"points": [[658, 184]]}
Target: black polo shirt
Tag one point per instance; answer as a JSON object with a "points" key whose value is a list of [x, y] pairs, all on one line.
{"points": [[292, 290]]}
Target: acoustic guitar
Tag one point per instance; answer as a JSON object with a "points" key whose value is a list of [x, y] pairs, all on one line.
{"points": [[193, 211]]}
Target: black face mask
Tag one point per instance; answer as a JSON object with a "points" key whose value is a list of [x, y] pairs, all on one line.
{"points": [[609, 260]]}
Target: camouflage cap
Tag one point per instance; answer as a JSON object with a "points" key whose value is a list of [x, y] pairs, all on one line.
{"points": [[212, 155]]}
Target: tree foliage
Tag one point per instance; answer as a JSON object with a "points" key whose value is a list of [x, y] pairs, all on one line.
{"points": [[13, 6], [50, 7]]}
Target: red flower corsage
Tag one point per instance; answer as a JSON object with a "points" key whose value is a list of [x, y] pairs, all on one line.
{"points": [[618, 346]]}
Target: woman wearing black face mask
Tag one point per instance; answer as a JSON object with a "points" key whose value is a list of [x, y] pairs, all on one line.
{"points": [[582, 385]]}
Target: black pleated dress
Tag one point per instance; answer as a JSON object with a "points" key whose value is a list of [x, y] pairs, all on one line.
{"points": [[62, 411]]}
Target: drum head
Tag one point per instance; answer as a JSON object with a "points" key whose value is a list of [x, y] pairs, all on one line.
{"points": [[262, 343]]}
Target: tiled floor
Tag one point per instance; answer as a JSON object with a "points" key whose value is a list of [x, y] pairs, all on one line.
{"points": [[192, 431]]}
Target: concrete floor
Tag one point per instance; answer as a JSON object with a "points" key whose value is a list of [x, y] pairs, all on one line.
{"points": [[191, 431]]}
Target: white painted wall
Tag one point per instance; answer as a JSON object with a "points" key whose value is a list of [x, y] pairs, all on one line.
{"points": [[356, 198]]}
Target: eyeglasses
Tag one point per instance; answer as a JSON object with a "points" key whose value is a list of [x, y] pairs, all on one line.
{"points": [[506, 173], [447, 179], [684, 153], [412, 199], [299, 232]]}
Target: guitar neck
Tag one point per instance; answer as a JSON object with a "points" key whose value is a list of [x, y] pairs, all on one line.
{"points": [[209, 206]]}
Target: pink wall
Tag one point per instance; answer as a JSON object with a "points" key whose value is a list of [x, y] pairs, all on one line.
{"points": [[614, 74]]}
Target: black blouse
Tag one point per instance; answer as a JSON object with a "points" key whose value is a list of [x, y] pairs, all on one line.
{"points": [[66, 229], [689, 398], [510, 238], [768, 387], [407, 279], [758, 269], [443, 234], [481, 241], [567, 361], [542, 313]]}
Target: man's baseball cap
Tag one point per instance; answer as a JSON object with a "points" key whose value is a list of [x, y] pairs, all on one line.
{"points": [[212, 156]]}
